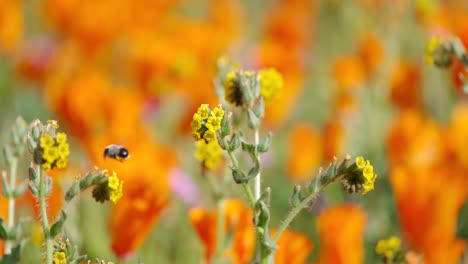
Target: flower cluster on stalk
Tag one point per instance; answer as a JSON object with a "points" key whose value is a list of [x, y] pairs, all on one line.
{"points": [[206, 123]]}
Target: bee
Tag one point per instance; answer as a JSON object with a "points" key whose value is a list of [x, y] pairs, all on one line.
{"points": [[116, 152]]}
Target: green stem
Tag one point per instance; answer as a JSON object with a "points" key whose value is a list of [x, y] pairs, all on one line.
{"points": [[257, 183], [11, 203], [245, 186], [44, 220]]}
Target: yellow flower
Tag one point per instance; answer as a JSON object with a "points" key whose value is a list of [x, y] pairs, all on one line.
{"points": [[209, 135], [203, 111], [46, 166], [60, 257], [271, 83], [113, 181], [63, 150], [369, 184], [218, 112], [115, 195], [116, 187], [196, 122], [368, 171], [196, 136], [61, 138], [388, 247], [46, 141], [50, 154], [209, 153], [361, 162], [213, 123], [61, 163], [53, 123]]}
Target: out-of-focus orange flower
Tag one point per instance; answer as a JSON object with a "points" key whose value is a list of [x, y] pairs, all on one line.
{"points": [[348, 72], [345, 103], [341, 230], [457, 140], [405, 85], [305, 152], [238, 221], [458, 72], [146, 189], [293, 248], [429, 184], [333, 139], [371, 51], [35, 59], [414, 140], [11, 25], [286, 39]]}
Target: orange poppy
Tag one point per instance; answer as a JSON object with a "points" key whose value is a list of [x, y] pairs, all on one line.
{"points": [[293, 248], [341, 230], [238, 222], [348, 72], [405, 85], [371, 51], [11, 25], [305, 152]]}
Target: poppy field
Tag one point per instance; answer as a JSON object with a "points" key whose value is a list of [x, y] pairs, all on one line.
{"points": [[233, 131]]}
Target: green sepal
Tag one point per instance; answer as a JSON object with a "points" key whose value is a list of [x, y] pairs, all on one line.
{"points": [[259, 108], [73, 191], [33, 188], [265, 145], [5, 187], [19, 190], [225, 126], [47, 185], [234, 143], [238, 176], [8, 155], [254, 121], [295, 199]]}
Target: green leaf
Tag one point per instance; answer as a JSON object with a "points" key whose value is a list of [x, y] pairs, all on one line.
{"points": [[259, 108], [13, 257], [3, 232], [57, 226], [250, 148], [295, 199], [238, 176], [225, 126]]}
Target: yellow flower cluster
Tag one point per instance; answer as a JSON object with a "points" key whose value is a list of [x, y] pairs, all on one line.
{"points": [[116, 187], [55, 151], [388, 247], [209, 153], [367, 172], [206, 123], [271, 83], [60, 257]]}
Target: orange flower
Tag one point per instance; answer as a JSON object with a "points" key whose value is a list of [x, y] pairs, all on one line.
{"points": [[341, 230], [457, 140], [348, 72], [371, 51], [457, 71], [305, 152], [333, 139], [11, 25], [293, 248], [429, 182], [238, 221], [405, 85], [146, 189], [414, 140]]}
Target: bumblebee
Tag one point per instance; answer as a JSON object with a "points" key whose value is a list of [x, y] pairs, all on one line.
{"points": [[116, 152]]}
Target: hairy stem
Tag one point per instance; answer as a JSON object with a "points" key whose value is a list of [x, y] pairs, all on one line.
{"points": [[44, 220], [11, 203], [257, 183]]}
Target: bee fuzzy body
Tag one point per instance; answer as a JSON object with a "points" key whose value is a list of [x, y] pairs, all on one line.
{"points": [[116, 152]]}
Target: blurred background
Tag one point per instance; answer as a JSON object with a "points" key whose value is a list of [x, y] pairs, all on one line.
{"points": [[355, 81]]}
